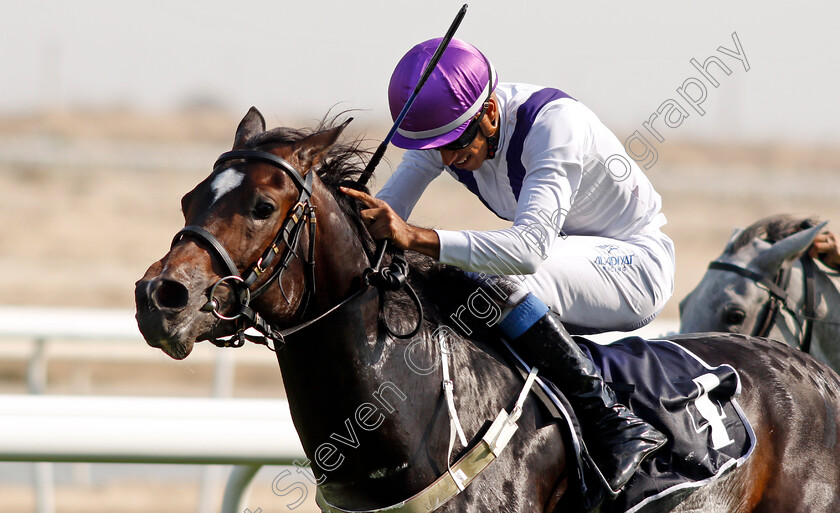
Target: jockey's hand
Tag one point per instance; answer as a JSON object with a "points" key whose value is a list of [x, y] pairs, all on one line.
{"points": [[825, 248], [383, 223]]}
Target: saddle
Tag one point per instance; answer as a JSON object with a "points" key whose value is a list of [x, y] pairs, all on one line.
{"points": [[691, 402]]}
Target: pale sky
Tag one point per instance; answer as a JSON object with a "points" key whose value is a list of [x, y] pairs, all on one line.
{"points": [[292, 59]]}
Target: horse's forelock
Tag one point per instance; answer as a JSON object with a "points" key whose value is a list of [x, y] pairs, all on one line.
{"points": [[772, 229], [344, 161]]}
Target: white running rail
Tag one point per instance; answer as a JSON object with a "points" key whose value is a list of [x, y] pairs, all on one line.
{"points": [[244, 432], [247, 433]]}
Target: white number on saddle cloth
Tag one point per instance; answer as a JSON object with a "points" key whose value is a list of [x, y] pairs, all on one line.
{"points": [[712, 415]]}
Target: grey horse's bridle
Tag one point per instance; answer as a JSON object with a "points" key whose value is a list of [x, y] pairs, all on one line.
{"points": [[777, 289]]}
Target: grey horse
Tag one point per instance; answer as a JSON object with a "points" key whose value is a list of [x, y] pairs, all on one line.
{"points": [[760, 285]]}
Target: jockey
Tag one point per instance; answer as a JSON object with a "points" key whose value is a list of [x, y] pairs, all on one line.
{"points": [[826, 248], [585, 243]]}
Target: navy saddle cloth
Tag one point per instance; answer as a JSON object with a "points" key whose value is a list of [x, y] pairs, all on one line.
{"points": [[689, 401]]}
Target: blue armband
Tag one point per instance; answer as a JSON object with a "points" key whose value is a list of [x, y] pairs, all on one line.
{"points": [[523, 316]]}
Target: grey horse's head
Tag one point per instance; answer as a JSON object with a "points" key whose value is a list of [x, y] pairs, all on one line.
{"points": [[729, 302]]}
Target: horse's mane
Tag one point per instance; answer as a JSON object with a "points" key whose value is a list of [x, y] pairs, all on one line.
{"points": [[772, 229], [442, 289]]}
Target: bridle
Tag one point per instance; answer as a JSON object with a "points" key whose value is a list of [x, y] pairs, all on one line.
{"points": [[289, 235], [778, 297]]}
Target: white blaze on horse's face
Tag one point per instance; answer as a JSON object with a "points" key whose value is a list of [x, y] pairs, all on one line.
{"points": [[228, 180]]}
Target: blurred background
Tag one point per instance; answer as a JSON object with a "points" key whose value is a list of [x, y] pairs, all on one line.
{"points": [[110, 112]]}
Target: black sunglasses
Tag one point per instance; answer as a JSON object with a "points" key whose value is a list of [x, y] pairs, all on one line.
{"points": [[468, 135]]}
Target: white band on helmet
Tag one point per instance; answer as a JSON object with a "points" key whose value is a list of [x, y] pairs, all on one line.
{"points": [[474, 108]]}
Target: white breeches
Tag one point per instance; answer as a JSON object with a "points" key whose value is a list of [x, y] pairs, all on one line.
{"points": [[605, 284]]}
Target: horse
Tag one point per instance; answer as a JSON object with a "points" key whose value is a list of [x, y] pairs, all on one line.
{"points": [[765, 284], [368, 405]]}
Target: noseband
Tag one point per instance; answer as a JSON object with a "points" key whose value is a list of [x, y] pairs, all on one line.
{"points": [[288, 235], [779, 297]]}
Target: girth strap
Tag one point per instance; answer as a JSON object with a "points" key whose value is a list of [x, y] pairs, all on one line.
{"points": [[435, 495], [455, 428], [467, 468]]}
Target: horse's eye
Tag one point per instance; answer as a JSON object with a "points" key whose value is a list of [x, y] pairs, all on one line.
{"points": [[263, 210], [734, 316]]}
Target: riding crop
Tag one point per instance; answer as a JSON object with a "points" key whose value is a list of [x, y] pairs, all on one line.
{"points": [[393, 277]]}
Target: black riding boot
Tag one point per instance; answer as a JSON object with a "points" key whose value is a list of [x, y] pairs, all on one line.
{"points": [[618, 439]]}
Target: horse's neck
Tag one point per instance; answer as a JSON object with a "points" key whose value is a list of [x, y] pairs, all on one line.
{"points": [[359, 409], [825, 335], [365, 404], [348, 386], [828, 292], [340, 258], [370, 411]]}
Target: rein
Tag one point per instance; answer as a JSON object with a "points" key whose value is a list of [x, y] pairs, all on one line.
{"points": [[777, 289]]}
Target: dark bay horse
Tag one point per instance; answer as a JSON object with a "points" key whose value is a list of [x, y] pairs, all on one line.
{"points": [[368, 406]]}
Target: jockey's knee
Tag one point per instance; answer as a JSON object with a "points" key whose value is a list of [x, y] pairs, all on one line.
{"points": [[646, 310], [484, 307]]}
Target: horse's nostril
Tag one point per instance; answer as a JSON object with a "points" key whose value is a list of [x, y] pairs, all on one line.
{"points": [[171, 294]]}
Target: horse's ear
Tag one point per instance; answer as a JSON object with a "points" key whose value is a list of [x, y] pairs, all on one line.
{"points": [[735, 233], [252, 124], [311, 149], [791, 247]]}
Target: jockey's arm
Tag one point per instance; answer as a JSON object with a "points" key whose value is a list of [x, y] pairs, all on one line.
{"points": [[522, 248], [553, 158], [519, 249]]}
